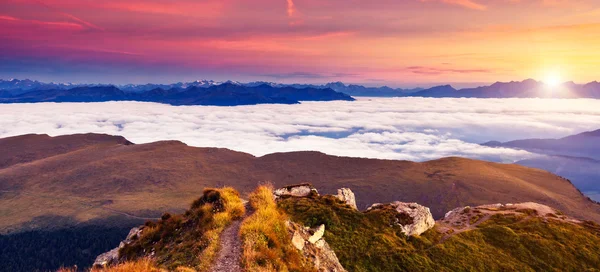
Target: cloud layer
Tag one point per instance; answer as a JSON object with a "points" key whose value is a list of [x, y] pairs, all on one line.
{"points": [[399, 128]]}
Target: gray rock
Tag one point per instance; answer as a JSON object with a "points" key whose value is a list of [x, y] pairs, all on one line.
{"points": [[112, 256], [416, 218], [300, 190], [346, 195], [317, 235], [318, 252]]}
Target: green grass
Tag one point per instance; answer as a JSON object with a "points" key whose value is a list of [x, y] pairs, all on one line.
{"points": [[367, 241]]}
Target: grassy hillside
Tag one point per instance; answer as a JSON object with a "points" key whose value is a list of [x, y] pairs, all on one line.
{"points": [[96, 180], [516, 241], [266, 241], [516, 237], [191, 240]]}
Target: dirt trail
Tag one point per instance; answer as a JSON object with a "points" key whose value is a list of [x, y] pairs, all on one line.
{"points": [[230, 253]]}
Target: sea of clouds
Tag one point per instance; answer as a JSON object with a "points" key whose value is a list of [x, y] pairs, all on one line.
{"points": [[415, 129]]}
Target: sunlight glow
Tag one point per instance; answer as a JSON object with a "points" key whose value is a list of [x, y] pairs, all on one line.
{"points": [[552, 79]]}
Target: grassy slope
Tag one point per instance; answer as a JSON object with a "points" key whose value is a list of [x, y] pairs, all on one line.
{"points": [[190, 240], [367, 242], [95, 181], [266, 242]]}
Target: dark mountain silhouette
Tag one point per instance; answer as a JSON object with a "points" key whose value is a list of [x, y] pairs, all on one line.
{"points": [[528, 88], [576, 157], [75, 179], [351, 89], [585, 144], [438, 91], [79, 94], [227, 94], [516, 89], [17, 87]]}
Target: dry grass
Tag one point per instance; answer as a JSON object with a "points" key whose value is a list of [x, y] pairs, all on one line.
{"points": [[233, 209], [266, 241], [191, 240], [141, 265]]}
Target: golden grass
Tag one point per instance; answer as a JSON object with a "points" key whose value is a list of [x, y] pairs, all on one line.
{"points": [[192, 240], [233, 209], [141, 265], [266, 241]]}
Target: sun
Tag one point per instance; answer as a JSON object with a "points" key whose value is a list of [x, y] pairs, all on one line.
{"points": [[552, 79]]}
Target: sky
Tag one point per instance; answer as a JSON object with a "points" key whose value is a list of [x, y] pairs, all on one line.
{"points": [[402, 43], [415, 129]]}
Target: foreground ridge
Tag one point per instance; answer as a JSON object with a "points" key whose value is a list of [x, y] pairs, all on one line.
{"points": [[295, 228]]}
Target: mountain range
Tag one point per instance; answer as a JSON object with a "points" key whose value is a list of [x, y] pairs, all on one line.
{"points": [[51, 181], [515, 89], [576, 157], [226, 94], [16, 87]]}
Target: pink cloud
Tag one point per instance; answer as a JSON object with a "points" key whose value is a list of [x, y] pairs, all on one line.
{"points": [[70, 16], [463, 3], [41, 23]]}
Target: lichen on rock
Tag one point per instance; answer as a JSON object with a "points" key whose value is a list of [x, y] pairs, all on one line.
{"points": [[414, 219], [299, 190], [346, 195], [314, 247]]}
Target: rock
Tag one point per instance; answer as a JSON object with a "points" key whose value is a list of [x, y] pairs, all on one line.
{"points": [[317, 235], [112, 256], [299, 190], [298, 241], [320, 243], [107, 258], [346, 195], [414, 219], [318, 252]]}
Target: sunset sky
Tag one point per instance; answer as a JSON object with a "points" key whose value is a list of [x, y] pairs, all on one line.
{"points": [[376, 42]]}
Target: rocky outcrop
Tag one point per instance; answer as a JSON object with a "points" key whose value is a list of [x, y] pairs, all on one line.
{"points": [[112, 256], [346, 195], [299, 190], [414, 219], [314, 247]]}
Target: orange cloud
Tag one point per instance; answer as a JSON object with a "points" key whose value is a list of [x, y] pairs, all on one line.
{"points": [[206, 9], [291, 8]]}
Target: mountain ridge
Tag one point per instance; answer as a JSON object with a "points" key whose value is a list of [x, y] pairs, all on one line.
{"points": [[227, 94], [105, 179], [576, 157], [528, 88]]}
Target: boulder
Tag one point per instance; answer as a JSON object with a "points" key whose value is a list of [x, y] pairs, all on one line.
{"points": [[414, 219], [299, 190], [112, 256], [312, 245], [346, 195], [317, 235], [298, 241], [107, 258]]}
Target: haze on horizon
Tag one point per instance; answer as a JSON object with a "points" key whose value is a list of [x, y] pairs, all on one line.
{"points": [[386, 42]]}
